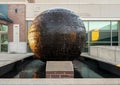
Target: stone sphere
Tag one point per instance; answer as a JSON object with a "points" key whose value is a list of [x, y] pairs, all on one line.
{"points": [[57, 34]]}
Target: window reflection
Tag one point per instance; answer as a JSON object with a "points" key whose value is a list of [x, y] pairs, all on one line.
{"points": [[100, 25], [3, 38], [114, 26], [3, 28], [101, 33], [4, 47], [114, 33], [86, 25], [100, 44]]}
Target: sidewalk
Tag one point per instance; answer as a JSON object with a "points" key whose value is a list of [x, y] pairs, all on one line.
{"points": [[6, 58]]}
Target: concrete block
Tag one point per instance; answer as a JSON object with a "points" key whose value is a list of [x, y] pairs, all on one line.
{"points": [[94, 51], [107, 54], [20, 47], [118, 55], [110, 47], [59, 69]]}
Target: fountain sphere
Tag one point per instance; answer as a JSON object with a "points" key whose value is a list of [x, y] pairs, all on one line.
{"points": [[57, 34]]}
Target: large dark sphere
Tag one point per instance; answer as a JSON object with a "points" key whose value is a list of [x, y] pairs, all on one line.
{"points": [[57, 34]]}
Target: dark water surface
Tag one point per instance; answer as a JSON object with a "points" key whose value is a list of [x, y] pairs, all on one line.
{"points": [[83, 68]]}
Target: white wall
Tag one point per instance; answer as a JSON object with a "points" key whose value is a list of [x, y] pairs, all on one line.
{"points": [[80, 1], [19, 47], [83, 10], [13, 1]]}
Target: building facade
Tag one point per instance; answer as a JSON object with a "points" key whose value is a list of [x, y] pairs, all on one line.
{"points": [[13, 35], [101, 19]]}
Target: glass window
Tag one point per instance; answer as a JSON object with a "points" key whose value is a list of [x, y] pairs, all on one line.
{"points": [[100, 44], [0, 27], [86, 48], [114, 26], [4, 39], [86, 25], [114, 36], [99, 31], [4, 43], [4, 47], [99, 25], [28, 26], [3, 28], [29, 23]]}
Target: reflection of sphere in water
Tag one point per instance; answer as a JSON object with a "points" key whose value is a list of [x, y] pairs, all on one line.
{"points": [[57, 34]]}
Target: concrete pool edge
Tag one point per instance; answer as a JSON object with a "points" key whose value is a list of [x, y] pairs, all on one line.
{"points": [[86, 81]]}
